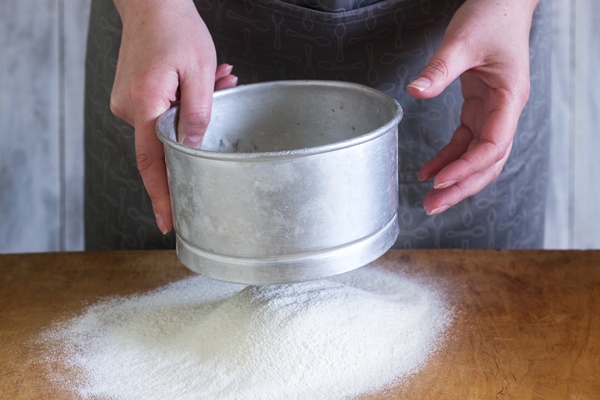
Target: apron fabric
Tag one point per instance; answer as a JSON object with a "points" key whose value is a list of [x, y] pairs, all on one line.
{"points": [[381, 44]]}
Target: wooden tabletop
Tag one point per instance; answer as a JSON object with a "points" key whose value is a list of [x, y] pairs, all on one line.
{"points": [[527, 323]]}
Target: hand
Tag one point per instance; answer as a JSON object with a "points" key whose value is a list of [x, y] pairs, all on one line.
{"points": [[166, 55], [487, 45]]}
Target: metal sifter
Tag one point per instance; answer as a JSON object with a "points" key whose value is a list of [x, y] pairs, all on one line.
{"points": [[295, 181]]}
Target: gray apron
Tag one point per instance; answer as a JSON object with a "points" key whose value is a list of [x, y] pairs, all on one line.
{"points": [[381, 44]]}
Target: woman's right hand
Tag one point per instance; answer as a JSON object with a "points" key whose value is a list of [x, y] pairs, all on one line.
{"points": [[166, 55]]}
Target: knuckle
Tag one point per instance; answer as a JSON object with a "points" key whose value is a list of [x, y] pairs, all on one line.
{"points": [[197, 119], [523, 95], [518, 94], [115, 95], [495, 152], [438, 67], [497, 173], [497, 170], [144, 162], [116, 106], [498, 167], [500, 155]]}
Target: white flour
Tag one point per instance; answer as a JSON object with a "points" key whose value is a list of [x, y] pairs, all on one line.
{"points": [[204, 339]]}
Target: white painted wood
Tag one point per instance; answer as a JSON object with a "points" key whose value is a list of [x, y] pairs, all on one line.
{"points": [[559, 215], [76, 18], [586, 117], [29, 120], [41, 132]]}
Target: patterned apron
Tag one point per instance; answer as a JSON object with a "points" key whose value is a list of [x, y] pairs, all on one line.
{"points": [[382, 44]]}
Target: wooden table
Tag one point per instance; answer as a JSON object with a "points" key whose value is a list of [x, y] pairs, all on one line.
{"points": [[527, 325]]}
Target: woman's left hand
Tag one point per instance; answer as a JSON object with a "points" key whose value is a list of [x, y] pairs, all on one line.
{"points": [[487, 45]]}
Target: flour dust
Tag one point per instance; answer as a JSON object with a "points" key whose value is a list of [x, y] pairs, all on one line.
{"points": [[199, 338]]}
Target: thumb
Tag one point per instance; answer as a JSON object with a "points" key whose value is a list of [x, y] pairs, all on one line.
{"points": [[447, 64], [195, 107]]}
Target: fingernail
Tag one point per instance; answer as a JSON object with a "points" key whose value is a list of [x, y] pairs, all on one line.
{"points": [[192, 141], [235, 80], [228, 69], [444, 185], [160, 222], [425, 177], [420, 84], [438, 210]]}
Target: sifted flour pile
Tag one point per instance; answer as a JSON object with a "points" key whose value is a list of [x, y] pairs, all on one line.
{"points": [[203, 339]]}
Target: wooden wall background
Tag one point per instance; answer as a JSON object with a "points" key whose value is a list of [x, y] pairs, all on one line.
{"points": [[42, 46], [42, 49]]}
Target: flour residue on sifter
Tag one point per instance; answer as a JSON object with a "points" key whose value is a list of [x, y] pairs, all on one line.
{"points": [[198, 338]]}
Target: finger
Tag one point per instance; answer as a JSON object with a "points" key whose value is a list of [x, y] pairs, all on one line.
{"points": [[223, 70], [458, 145], [493, 146], [448, 62], [226, 82], [439, 200], [151, 164], [152, 95], [195, 108]]}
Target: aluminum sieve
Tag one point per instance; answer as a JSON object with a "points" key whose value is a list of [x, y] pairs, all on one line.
{"points": [[295, 181]]}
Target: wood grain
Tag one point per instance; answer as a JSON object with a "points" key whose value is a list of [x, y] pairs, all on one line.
{"points": [[527, 323]]}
